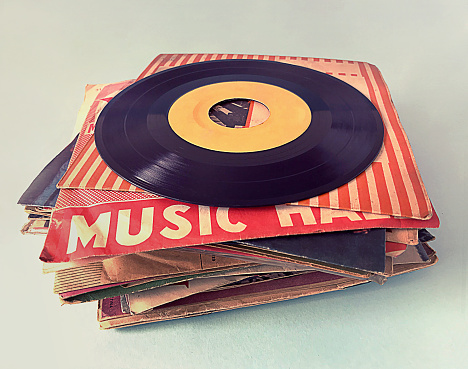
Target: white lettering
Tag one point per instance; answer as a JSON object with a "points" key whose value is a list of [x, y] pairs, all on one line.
{"points": [[123, 236], [183, 225], [204, 220], [327, 215], [284, 214], [222, 217], [79, 229]]}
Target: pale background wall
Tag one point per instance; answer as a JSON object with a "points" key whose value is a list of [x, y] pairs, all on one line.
{"points": [[51, 49]]}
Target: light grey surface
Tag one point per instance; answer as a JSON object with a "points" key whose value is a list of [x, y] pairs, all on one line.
{"points": [[51, 49]]}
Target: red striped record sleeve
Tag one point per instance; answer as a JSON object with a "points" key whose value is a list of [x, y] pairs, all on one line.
{"points": [[392, 185]]}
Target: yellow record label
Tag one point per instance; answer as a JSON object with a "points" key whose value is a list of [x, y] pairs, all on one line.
{"points": [[289, 117]]}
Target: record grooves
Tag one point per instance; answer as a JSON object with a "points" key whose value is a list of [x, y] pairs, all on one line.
{"points": [[135, 138]]}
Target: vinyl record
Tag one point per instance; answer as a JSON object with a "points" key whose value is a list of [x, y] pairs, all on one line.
{"points": [[157, 134]]}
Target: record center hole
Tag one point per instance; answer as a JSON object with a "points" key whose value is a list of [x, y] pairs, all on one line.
{"points": [[239, 113]]}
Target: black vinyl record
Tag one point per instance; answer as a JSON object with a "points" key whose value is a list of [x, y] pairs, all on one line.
{"points": [[134, 137]]}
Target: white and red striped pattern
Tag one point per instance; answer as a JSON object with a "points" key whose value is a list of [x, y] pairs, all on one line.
{"points": [[391, 185], [86, 169], [83, 197]]}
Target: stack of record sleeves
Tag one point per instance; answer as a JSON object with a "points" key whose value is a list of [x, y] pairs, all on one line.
{"points": [[220, 181]]}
